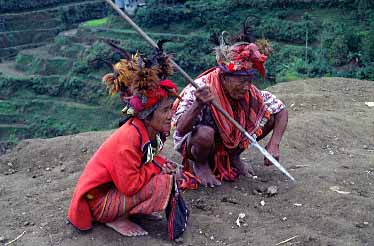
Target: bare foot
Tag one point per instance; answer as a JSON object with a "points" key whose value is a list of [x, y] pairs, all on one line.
{"points": [[244, 168], [127, 228], [205, 175]]}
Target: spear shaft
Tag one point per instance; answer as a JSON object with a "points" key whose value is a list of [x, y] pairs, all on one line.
{"points": [[190, 80]]}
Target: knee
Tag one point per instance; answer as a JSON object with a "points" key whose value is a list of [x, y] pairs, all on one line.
{"points": [[204, 136]]}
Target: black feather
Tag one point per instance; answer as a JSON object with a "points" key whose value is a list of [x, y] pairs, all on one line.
{"points": [[123, 53], [161, 42], [214, 38], [108, 63], [247, 32]]}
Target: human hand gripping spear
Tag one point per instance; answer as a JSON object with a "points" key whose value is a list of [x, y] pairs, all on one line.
{"points": [[214, 103]]}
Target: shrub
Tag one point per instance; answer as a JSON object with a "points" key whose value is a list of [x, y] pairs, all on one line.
{"points": [[46, 128], [284, 30], [367, 49], [339, 51], [366, 72]]}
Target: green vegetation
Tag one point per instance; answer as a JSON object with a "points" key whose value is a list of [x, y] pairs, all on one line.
{"points": [[40, 107], [95, 23], [62, 92], [311, 39]]}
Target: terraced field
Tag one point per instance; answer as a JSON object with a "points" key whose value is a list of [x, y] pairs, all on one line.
{"points": [[58, 76], [23, 25]]}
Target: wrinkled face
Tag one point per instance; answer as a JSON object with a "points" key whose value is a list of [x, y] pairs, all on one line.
{"points": [[235, 86], [161, 119]]}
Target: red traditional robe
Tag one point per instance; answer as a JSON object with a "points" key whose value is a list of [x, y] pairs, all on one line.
{"points": [[252, 113], [117, 161]]}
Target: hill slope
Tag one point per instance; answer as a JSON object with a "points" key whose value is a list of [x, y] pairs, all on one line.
{"points": [[310, 39], [329, 142]]}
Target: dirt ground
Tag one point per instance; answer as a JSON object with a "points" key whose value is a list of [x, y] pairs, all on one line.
{"points": [[328, 148]]}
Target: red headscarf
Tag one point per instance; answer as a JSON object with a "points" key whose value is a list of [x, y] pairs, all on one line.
{"points": [[153, 96], [166, 88], [242, 59]]}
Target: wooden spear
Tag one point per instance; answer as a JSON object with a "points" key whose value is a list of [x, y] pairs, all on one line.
{"points": [[190, 80]]}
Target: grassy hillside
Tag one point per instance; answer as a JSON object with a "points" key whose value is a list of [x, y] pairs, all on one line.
{"points": [[310, 38], [56, 89], [52, 91], [336, 33]]}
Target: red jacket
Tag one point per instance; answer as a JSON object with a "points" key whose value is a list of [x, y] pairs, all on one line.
{"points": [[118, 160]]}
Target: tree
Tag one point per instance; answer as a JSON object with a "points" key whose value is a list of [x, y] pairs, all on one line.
{"points": [[339, 50]]}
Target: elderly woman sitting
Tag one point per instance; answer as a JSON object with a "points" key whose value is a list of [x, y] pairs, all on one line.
{"points": [[127, 176]]}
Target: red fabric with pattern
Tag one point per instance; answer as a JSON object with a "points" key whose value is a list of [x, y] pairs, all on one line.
{"points": [[154, 96], [118, 161], [248, 113], [107, 204]]}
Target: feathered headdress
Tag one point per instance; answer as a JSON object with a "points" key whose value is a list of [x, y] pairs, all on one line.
{"points": [[241, 54], [140, 80]]}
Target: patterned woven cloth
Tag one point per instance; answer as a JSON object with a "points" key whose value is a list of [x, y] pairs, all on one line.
{"points": [[259, 106], [107, 203]]}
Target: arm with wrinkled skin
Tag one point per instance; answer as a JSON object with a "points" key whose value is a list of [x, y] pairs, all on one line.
{"points": [[280, 125], [186, 121]]}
